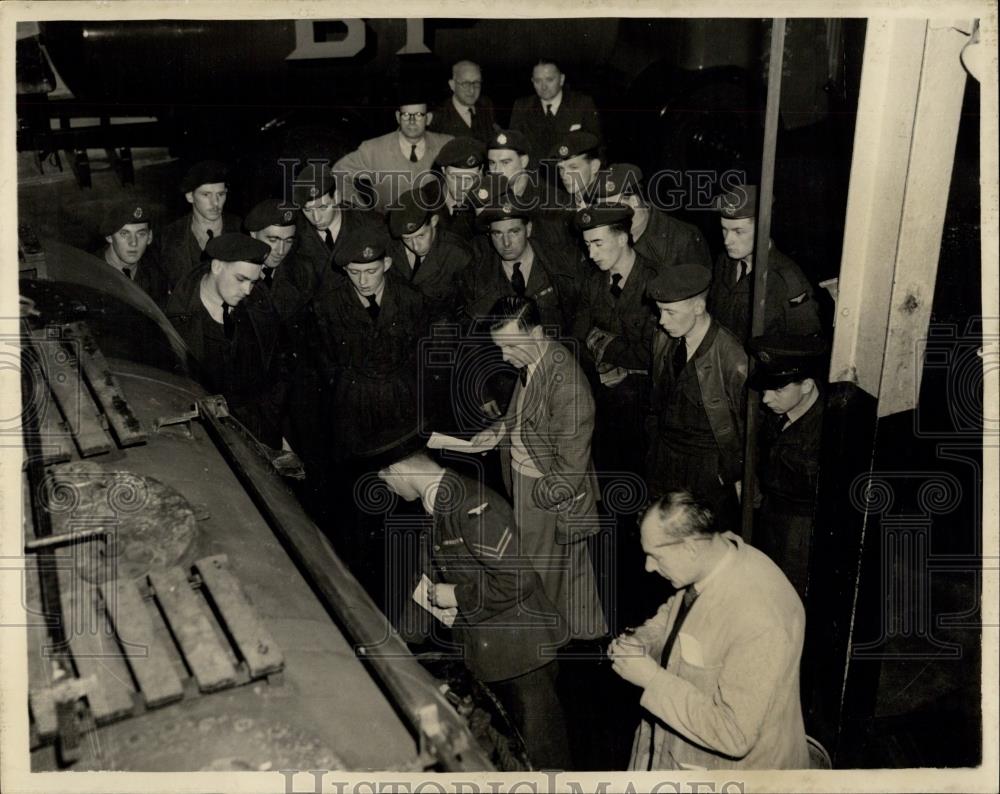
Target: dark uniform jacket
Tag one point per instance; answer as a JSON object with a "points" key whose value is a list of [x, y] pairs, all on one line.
{"points": [[721, 368], [448, 120], [505, 621], [313, 257], [178, 252], [789, 472], [253, 376], [439, 273], [790, 307], [667, 241], [543, 132], [146, 274]]}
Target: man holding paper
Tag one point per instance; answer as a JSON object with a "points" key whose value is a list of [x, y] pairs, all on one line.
{"points": [[477, 583]]}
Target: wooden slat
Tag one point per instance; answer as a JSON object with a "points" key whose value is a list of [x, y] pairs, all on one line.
{"points": [[188, 619], [146, 654], [54, 445], [254, 641], [43, 707], [106, 388], [62, 370], [95, 650]]}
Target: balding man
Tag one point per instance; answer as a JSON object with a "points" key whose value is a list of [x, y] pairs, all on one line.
{"points": [[467, 113]]}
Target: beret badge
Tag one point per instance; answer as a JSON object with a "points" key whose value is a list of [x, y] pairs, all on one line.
{"points": [[501, 139], [764, 356], [611, 186], [483, 193], [138, 213], [288, 215], [563, 150], [470, 160], [585, 217], [368, 252], [410, 226]]}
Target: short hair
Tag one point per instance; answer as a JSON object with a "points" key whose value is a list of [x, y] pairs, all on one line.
{"points": [[680, 514], [514, 307], [623, 227], [544, 61], [459, 64]]}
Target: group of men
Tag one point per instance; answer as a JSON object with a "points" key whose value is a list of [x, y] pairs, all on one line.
{"points": [[506, 284]]}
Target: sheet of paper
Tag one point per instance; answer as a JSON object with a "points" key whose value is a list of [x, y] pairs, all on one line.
{"points": [[422, 595], [443, 441]]}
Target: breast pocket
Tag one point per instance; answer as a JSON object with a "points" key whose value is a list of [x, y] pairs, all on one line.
{"points": [[697, 665]]}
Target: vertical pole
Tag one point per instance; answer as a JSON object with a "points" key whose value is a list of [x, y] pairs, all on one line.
{"points": [[760, 258]]}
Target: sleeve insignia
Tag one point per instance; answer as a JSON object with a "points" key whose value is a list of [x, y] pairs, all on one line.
{"points": [[498, 550], [478, 511], [798, 300]]}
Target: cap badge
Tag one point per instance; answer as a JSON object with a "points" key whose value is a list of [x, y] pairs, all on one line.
{"points": [[507, 209], [470, 160], [138, 213], [585, 217], [729, 208], [611, 186], [501, 139], [563, 151], [368, 252], [483, 193], [313, 191], [410, 226], [288, 215], [764, 356]]}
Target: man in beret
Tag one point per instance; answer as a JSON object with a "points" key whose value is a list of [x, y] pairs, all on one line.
{"points": [[578, 161], [273, 223], [461, 163], [790, 307], [205, 187], [507, 626], [234, 342], [127, 231], [393, 163], [788, 370], [657, 236], [553, 110], [699, 373], [467, 112]]}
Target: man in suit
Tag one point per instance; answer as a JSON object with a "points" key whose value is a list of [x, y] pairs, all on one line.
{"points": [[205, 187], [698, 402], [381, 169], [790, 306], [718, 664], [788, 371], [553, 111], [658, 237], [508, 629], [466, 113], [127, 230]]}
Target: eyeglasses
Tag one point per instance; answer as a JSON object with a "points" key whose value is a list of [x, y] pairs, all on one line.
{"points": [[412, 116], [470, 83]]}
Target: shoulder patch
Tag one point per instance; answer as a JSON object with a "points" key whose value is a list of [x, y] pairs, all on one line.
{"points": [[478, 511], [798, 300]]}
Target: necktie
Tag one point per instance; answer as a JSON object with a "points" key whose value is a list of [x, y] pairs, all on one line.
{"points": [[413, 153], [268, 275], [679, 359], [328, 239], [373, 307], [417, 262], [690, 594], [210, 234], [472, 116], [127, 272], [616, 289], [548, 111], [522, 375], [228, 321], [741, 270], [785, 422], [517, 280]]}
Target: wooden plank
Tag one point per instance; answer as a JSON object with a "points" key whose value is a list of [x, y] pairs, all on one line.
{"points": [[95, 650], [145, 653], [43, 707], [62, 371], [106, 388], [255, 643], [189, 621], [53, 444]]}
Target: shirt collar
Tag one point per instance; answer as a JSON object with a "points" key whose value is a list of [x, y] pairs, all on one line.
{"points": [[801, 410], [732, 545], [406, 143], [526, 260], [378, 295], [463, 110], [556, 101], [200, 224], [429, 496], [624, 270]]}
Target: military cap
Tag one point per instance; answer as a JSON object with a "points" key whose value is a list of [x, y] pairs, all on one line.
{"points": [[782, 359], [312, 182], [487, 189], [509, 139], [602, 215], [462, 153], [394, 442], [740, 202], [270, 212], [236, 247], [207, 172], [410, 215], [679, 282], [122, 214], [574, 143], [501, 211], [367, 245], [618, 179]]}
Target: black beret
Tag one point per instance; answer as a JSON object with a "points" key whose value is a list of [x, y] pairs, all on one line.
{"points": [[509, 139], [394, 442], [679, 282], [487, 189], [602, 215], [122, 214], [782, 359], [366, 245], [207, 172], [270, 212], [741, 202], [574, 143], [462, 153], [504, 211], [618, 179], [410, 215], [236, 247], [311, 182]]}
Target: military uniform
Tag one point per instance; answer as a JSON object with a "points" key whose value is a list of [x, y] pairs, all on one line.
{"points": [[147, 272]]}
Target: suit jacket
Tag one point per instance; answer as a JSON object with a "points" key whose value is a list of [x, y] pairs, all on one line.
{"points": [[557, 422], [448, 121], [542, 131], [379, 161], [728, 697], [439, 275], [505, 620], [668, 242], [178, 252]]}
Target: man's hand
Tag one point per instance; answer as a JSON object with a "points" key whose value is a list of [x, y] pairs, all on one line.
{"points": [[443, 595], [490, 436], [632, 665]]}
